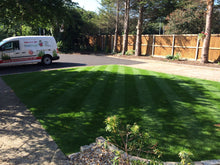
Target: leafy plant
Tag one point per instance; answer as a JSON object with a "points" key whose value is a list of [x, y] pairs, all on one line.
{"points": [[131, 140], [54, 53], [202, 35], [176, 57], [185, 158], [170, 57], [130, 52]]}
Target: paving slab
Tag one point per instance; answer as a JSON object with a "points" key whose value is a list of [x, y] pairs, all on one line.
{"points": [[22, 139]]}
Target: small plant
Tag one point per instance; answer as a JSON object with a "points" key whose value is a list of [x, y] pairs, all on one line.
{"points": [[131, 140], [202, 35], [185, 158], [169, 57], [5, 57], [176, 57], [54, 53], [130, 52], [60, 45]]}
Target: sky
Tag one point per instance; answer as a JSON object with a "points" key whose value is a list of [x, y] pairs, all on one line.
{"points": [[91, 5]]}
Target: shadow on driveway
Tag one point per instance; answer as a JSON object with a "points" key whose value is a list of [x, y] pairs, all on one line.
{"points": [[5, 70]]}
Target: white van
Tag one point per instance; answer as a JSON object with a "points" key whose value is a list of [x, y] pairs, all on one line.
{"points": [[28, 49]]}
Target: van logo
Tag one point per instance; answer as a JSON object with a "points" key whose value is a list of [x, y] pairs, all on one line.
{"points": [[30, 52], [40, 43]]}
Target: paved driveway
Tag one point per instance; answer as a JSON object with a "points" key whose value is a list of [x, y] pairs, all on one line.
{"points": [[67, 61]]}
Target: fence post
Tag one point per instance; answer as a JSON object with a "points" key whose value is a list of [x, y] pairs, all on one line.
{"points": [[153, 45], [173, 45], [197, 48]]}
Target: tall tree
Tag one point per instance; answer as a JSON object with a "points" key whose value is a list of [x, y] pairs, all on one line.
{"points": [[15, 13], [189, 19], [116, 27], [107, 16], [206, 42], [139, 28], [126, 26]]}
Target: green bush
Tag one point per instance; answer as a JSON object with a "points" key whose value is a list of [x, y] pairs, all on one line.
{"points": [[170, 57], [176, 57], [131, 140], [130, 52], [185, 158]]}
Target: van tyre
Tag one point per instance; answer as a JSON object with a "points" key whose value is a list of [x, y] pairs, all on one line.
{"points": [[47, 60]]}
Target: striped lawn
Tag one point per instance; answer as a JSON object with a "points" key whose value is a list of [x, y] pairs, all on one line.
{"points": [[180, 113]]}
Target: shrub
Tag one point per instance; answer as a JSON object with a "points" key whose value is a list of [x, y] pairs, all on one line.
{"points": [[170, 57], [185, 158], [131, 140], [130, 52], [176, 57]]}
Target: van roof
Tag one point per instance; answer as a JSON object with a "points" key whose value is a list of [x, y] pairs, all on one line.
{"points": [[23, 37]]}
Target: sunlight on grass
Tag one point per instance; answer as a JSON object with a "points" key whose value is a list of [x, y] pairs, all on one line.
{"points": [[180, 113]]}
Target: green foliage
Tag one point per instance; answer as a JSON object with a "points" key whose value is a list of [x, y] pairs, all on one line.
{"points": [[189, 19], [170, 57], [61, 47], [26, 30], [202, 35], [130, 52], [176, 57], [185, 158], [130, 139], [54, 53]]}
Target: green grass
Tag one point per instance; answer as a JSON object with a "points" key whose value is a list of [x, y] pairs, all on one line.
{"points": [[72, 104]]}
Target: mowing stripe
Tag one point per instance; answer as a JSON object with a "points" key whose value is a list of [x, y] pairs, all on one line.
{"points": [[117, 99], [144, 92], [170, 94], [68, 95], [95, 93]]}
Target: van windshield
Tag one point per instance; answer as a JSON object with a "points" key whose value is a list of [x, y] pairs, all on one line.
{"points": [[2, 42]]}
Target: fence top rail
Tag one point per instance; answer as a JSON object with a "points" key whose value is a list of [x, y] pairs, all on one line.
{"points": [[168, 35]]}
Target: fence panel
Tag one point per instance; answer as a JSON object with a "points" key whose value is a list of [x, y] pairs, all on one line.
{"points": [[188, 46]]}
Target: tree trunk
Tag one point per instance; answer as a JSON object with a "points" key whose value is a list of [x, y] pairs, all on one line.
{"points": [[126, 27], [116, 28], [139, 32], [206, 42]]}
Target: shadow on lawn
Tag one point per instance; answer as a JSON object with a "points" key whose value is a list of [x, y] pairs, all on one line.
{"points": [[179, 114]]}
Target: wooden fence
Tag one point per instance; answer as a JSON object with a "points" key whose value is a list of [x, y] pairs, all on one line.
{"points": [[188, 46]]}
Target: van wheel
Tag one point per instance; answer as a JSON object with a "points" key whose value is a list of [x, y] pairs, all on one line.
{"points": [[47, 60]]}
